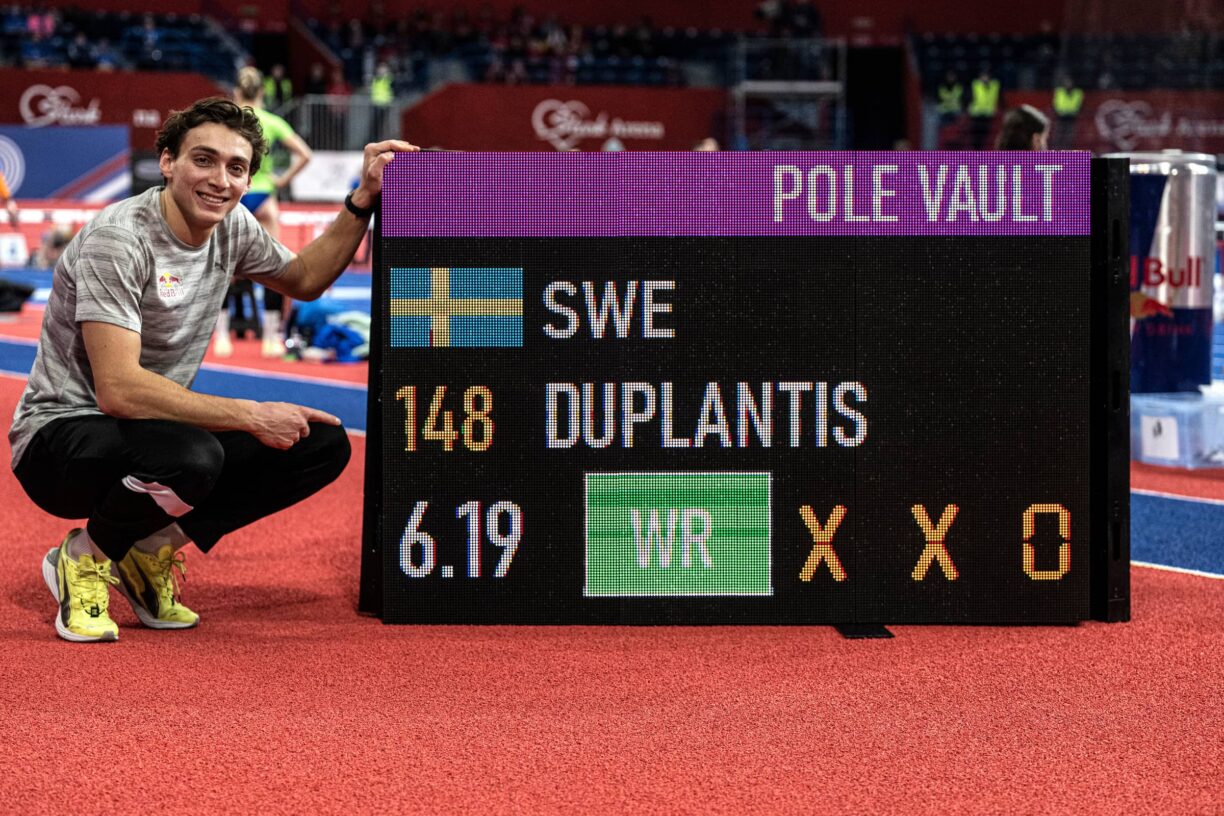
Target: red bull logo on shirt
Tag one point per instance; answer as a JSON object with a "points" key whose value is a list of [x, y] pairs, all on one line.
{"points": [[169, 287]]}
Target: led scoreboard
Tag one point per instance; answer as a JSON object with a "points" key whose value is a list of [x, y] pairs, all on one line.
{"points": [[794, 388]]}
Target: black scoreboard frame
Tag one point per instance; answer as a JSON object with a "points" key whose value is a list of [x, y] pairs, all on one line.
{"points": [[1108, 448]]}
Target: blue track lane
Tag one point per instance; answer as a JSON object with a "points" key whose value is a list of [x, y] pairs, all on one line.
{"points": [[1183, 533], [343, 399]]}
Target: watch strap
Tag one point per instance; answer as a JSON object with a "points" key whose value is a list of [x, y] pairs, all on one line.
{"points": [[360, 212]]}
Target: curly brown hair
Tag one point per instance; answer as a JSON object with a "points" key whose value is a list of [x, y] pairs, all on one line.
{"points": [[214, 109]]}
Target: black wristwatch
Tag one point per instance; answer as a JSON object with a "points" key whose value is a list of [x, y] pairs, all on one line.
{"points": [[360, 212]]}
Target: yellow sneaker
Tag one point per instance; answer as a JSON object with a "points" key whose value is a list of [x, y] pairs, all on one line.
{"points": [[80, 587], [151, 587]]}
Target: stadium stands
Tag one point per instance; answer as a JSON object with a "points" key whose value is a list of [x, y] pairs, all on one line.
{"points": [[523, 48], [332, 50], [31, 38], [1181, 61]]}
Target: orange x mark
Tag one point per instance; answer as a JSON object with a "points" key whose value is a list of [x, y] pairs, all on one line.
{"points": [[822, 550]]}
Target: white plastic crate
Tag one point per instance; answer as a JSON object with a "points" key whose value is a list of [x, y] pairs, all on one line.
{"points": [[1178, 430]]}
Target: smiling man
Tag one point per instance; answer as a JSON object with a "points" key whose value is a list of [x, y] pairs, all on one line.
{"points": [[107, 428]]}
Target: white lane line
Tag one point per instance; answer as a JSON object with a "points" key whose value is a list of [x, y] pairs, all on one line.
{"points": [[349, 293], [1178, 496], [1182, 570], [278, 375]]}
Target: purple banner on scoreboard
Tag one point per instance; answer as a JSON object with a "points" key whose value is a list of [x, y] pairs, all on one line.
{"points": [[708, 194]]}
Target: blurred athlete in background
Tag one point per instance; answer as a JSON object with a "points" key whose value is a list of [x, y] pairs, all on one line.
{"points": [[1024, 128], [6, 201], [261, 201]]}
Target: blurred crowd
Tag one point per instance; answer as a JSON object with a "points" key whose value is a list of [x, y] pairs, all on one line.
{"points": [[522, 48], [526, 48], [36, 37]]}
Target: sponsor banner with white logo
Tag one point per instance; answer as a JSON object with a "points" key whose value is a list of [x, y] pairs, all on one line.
{"points": [[328, 176], [565, 118], [1136, 120], [139, 101]]}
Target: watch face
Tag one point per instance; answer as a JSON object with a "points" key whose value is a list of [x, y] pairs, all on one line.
{"points": [[794, 406]]}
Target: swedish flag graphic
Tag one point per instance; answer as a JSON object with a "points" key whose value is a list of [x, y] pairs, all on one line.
{"points": [[471, 308]]}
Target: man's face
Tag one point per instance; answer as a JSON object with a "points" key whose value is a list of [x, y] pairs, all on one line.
{"points": [[209, 175]]}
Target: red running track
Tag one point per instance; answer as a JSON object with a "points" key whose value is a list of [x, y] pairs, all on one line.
{"points": [[286, 701]]}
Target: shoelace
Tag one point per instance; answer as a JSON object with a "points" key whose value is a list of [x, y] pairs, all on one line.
{"points": [[90, 585], [169, 583]]}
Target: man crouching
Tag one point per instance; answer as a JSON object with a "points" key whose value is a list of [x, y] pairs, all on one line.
{"points": [[107, 428]]}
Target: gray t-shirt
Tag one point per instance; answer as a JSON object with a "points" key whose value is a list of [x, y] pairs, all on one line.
{"points": [[125, 267]]}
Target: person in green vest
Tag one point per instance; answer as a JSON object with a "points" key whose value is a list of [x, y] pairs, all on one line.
{"points": [[950, 105], [983, 106], [260, 199], [382, 94], [949, 98], [1068, 102], [278, 88]]}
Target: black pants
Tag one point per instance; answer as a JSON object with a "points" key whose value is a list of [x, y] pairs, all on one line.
{"points": [[133, 477]]}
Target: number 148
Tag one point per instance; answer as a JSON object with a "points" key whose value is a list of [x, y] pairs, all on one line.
{"points": [[476, 428]]}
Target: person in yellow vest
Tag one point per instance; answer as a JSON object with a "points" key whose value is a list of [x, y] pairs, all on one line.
{"points": [[950, 105], [983, 107], [1068, 102], [260, 199], [382, 94], [949, 98], [278, 88]]}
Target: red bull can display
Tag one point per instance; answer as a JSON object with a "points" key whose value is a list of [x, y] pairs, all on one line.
{"points": [[1172, 266]]}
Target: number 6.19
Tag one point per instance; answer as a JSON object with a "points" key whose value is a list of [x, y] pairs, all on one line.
{"points": [[502, 513]]}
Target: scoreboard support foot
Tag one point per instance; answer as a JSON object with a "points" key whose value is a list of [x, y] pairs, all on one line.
{"points": [[859, 631]]}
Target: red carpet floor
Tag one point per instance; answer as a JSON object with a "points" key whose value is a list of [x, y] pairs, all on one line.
{"points": [[1204, 484], [286, 701]]}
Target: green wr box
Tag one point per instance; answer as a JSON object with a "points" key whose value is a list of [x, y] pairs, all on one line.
{"points": [[677, 534]]}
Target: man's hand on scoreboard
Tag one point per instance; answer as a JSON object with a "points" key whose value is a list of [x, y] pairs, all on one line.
{"points": [[377, 156]]}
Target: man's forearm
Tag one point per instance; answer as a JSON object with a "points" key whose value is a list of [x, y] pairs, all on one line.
{"points": [[145, 395], [322, 260]]}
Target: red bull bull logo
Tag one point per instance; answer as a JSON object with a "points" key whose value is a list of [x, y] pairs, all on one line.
{"points": [[1153, 272]]}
